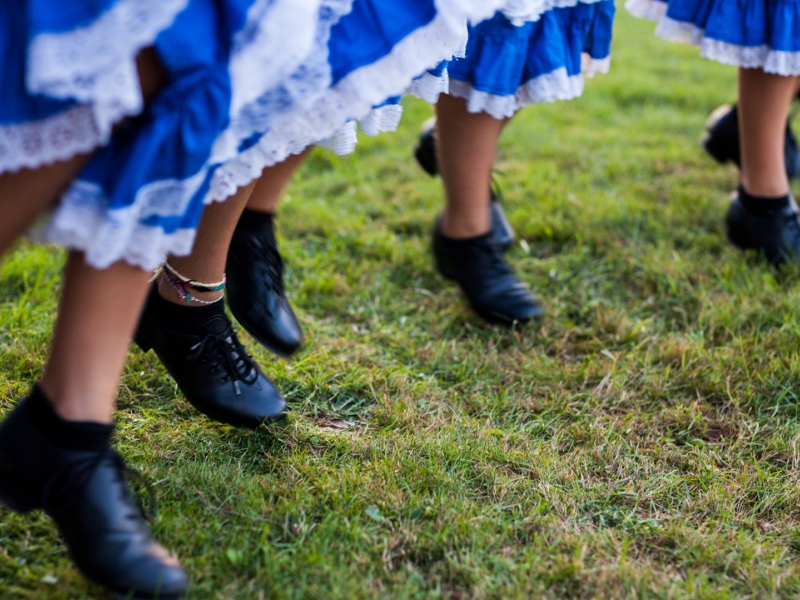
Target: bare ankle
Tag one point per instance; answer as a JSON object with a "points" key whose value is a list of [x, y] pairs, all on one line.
{"points": [[458, 227]]}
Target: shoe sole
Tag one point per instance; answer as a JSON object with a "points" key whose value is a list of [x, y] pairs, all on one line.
{"points": [[145, 346], [495, 317]]}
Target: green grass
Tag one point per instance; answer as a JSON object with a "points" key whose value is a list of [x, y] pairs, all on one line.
{"points": [[643, 442]]}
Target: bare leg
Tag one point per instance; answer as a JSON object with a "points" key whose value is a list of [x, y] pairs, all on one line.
{"points": [[764, 102], [91, 338], [206, 263], [95, 322], [25, 194], [274, 180], [466, 144]]}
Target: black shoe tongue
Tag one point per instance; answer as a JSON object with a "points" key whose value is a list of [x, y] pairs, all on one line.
{"points": [[213, 326]]}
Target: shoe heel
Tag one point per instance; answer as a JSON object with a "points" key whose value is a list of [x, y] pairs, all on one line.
{"points": [[15, 500], [140, 340]]}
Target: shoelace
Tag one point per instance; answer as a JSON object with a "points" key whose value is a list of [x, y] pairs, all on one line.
{"points": [[70, 484], [271, 262], [239, 364]]}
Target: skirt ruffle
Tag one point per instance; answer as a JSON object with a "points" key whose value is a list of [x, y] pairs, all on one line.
{"points": [[142, 195], [219, 123], [754, 34], [363, 73], [508, 67], [61, 54]]}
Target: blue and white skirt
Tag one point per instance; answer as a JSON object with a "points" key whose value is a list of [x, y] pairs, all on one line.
{"points": [[754, 34], [512, 62], [249, 82]]}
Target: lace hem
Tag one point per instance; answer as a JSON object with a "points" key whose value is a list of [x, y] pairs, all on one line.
{"points": [[83, 221], [547, 88], [262, 56], [256, 106], [60, 137], [652, 10], [762, 57], [429, 87], [520, 12], [355, 95], [96, 64]]}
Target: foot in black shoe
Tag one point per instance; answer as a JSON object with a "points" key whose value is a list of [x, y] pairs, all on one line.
{"points": [[70, 471], [775, 231], [255, 285], [722, 141], [425, 153], [200, 349], [479, 268]]}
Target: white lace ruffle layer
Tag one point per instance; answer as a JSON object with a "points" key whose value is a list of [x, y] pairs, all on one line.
{"points": [[547, 88], [94, 65], [62, 136], [354, 97], [520, 12], [776, 62]]}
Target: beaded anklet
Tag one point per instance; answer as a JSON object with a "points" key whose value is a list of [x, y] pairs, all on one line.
{"points": [[183, 285]]}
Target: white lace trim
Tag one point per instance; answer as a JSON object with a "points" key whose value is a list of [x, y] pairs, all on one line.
{"points": [[520, 12], [384, 119], [354, 96], [344, 141], [308, 78], [652, 10], [96, 64], [429, 87], [550, 87], [263, 56], [62, 136], [82, 221], [763, 57]]}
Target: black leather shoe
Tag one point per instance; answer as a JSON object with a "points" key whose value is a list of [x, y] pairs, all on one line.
{"points": [[212, 369], [479, 268], [84, 492], [722, 141], [776, 234], [255, 285], [425, 153]]}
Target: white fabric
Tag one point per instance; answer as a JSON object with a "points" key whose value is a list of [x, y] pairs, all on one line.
{"points": [[430, 87], [62, 136], [550, 87]]}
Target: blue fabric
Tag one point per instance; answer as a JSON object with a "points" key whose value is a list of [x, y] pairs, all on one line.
{"points": [[746, 23], [372, 29], [16, 105], [174, 136], [502, 57]]}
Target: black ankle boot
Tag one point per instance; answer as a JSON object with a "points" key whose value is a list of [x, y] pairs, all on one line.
{"points": [[425, 153], [722, 141], [211, 367], [775, 233], [479, 268], [84, 492], [256, 295]]}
